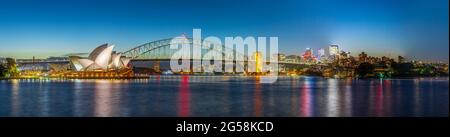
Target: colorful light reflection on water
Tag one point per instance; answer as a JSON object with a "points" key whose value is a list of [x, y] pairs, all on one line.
{"points": [[194, 96]]}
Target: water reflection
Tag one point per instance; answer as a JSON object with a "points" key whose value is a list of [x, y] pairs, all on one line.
{"points": [[257, 99], [347, 106], [388, 98], [79, 106], [225, 100], [44, 101], [332, 98], [379, 100], [184, 97], [305, 99], [191, 96], [103, 97], [15, 98], [417, 98]]}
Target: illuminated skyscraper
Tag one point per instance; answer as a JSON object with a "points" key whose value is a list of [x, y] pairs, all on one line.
{"points": [[308, 54], [321, 54], [258, 58], [334, 50]]}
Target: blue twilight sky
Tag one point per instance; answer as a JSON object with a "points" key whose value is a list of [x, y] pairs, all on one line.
{"points": [[417, 29]]}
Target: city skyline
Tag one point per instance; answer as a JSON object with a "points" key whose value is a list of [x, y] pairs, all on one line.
{"points": [[225, 67], [414, 29]]}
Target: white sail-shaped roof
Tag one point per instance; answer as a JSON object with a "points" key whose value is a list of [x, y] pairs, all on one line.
{"points": [[97, 51], [75, 63], [115, 60], [124, 61], [102, 57], [85, 62]]}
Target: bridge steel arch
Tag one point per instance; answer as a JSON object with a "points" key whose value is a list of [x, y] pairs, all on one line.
{"points": [[160, 49]]}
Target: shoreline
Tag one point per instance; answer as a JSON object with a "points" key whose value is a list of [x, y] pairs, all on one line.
{"points": [[154, 76]]}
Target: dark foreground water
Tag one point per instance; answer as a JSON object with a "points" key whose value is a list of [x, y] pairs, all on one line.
{"points": [[225, 96]]}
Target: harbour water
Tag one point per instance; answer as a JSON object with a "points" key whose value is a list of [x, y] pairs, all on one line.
{"points": [[223, 96]]}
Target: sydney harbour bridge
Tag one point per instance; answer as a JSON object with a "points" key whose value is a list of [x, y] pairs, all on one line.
{"points": [[159, 51]]}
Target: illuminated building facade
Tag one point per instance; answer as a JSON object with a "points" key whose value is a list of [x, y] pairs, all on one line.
{"points": [[321, 56], [102, 62], [102, 58], [258, 58], [308, 54], [333, 51]]}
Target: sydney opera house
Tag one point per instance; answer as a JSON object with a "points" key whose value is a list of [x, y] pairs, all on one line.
{"points": [[102, 62], [103, 58]]}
